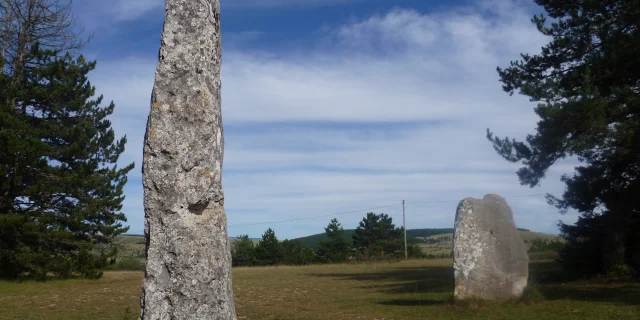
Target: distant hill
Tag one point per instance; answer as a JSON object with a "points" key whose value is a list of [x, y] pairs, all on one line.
{"points": [[440, 237], [313, 241]]}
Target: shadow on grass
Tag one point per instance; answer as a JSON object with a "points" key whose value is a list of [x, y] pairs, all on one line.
{"points": [[402, 280], [554, 284], [545, 276], [548, 272], [413, 302], [625, 294]]}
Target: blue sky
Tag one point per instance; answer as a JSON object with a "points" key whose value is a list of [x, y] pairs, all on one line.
{"points": [[332, 106]]}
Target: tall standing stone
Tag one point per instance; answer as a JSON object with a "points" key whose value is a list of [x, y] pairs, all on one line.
{"points": [[188, 267], [489, 257]]}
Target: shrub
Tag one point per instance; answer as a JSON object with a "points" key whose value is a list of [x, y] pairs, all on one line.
{"points": [[127, 264]]}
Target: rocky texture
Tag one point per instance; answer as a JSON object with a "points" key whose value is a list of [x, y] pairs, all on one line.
{"points": [[489, 257], [188, 267]]}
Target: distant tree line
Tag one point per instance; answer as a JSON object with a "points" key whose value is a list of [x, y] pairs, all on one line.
{"points": [[375, 238]]}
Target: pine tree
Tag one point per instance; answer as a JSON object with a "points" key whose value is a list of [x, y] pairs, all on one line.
{"points": [[61, 191], [376, 234], [336, 249], [587, 85], [309, 256], [243, 252], [269, 250], [292, 252]]}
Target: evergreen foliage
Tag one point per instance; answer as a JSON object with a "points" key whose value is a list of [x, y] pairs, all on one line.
{"points": [[269, 251], [336, 249], [243, 252], [380, 239], [61, 191], [293, 253], [377, 237], [309, 256], [543, 245], [586, 82]]}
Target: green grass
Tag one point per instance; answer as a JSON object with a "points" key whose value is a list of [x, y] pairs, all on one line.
{"points": [[419, 289]]}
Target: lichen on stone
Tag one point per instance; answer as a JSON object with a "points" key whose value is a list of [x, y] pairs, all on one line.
{"points": [[489, 256], [188, 268]]}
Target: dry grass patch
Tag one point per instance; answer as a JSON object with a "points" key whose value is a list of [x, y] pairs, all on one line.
{"points": [[418, 289], [106, 298]]}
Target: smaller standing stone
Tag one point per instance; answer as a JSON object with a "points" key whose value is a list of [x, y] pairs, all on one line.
{"points": [[489, 256]]}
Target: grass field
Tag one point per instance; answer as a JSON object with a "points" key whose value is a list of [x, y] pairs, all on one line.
{"points": [[419, 289]]}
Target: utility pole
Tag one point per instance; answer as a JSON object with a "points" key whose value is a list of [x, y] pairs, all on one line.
{"points": [[404, 223]]}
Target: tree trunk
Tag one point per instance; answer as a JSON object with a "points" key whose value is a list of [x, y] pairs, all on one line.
{"points": [[614, 246], [188, 267], [615, 242]]}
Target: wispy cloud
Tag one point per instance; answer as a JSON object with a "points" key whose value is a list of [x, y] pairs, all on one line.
{"points": [[391, 107], [99, 14], [237, 40], [128, 10]]}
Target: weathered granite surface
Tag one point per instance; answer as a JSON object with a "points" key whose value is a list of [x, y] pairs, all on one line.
{"points": [[489, 257], [188, 266]]}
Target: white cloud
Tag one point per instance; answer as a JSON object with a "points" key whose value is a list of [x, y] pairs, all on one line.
{"points": [[95, 13], [130, 10], [235, 39], [103, 17], [389, 108]]}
